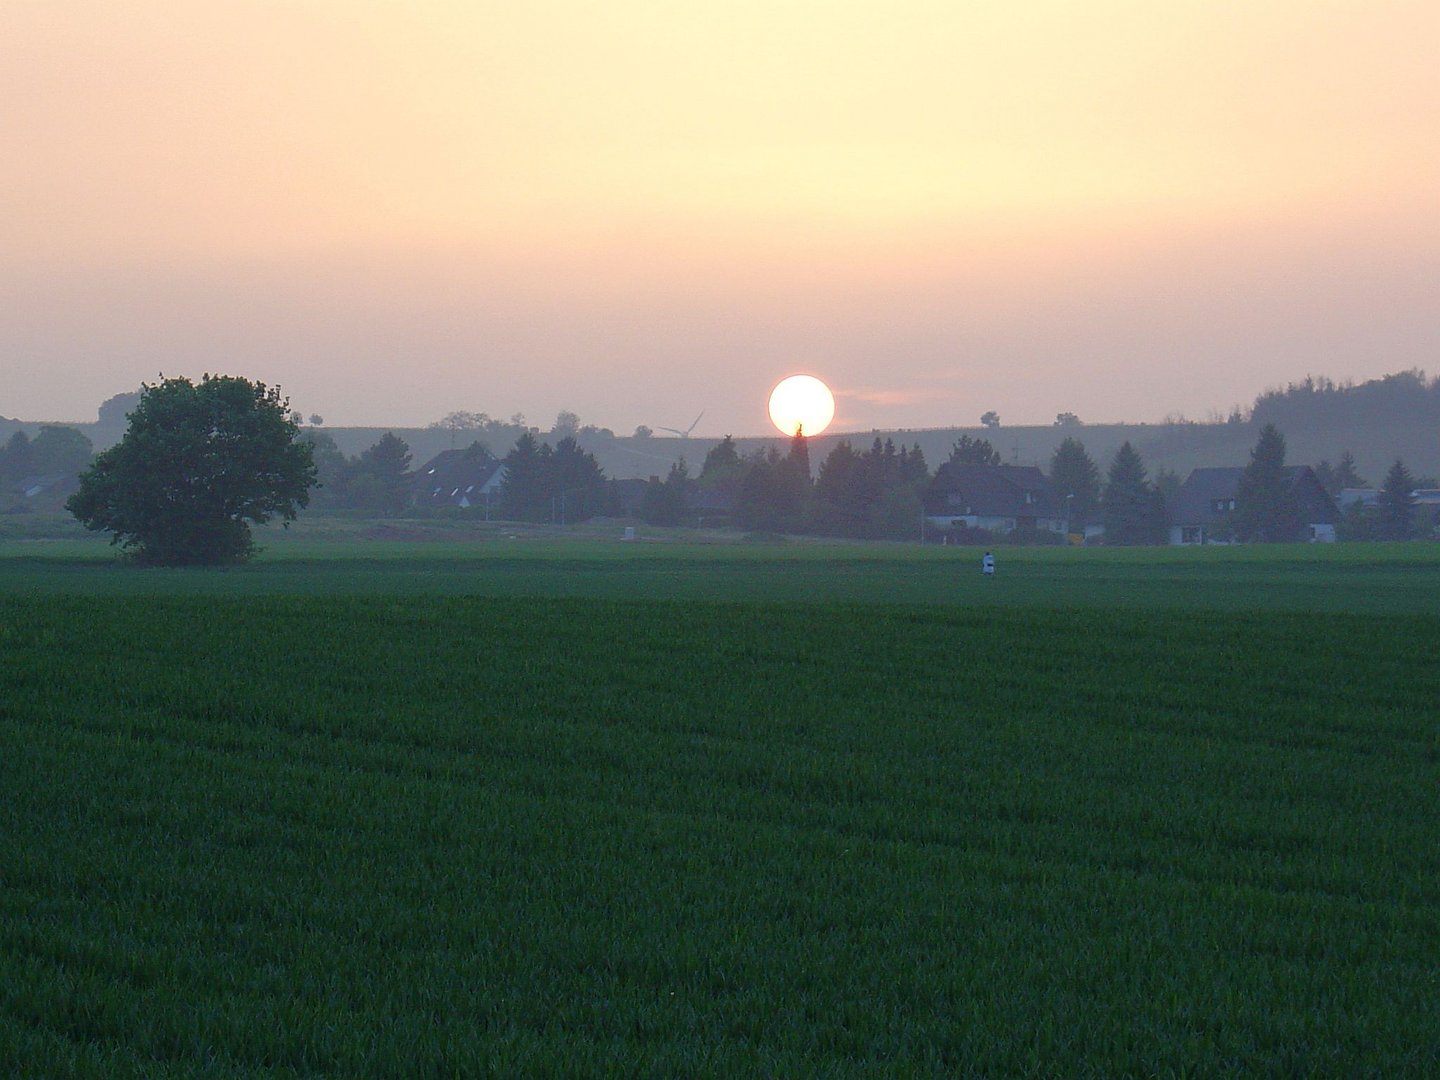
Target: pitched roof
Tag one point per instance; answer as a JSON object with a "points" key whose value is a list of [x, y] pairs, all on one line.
{"points": [[990, 490], [1316, 505], [1205, 496], [457, 477], [1195, 502]]}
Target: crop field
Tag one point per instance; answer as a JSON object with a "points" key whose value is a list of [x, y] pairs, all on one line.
{"points": [[541, 807]]}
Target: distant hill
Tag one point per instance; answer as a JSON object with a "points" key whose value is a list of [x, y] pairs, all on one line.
{"points": [[1377, 421]]}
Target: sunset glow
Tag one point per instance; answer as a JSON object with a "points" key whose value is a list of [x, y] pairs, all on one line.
{"points": [[634, 210], [801, 404]]}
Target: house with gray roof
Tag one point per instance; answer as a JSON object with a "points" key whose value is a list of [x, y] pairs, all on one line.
{"points": [[1201, 511], [460, 478], [998, 498]]}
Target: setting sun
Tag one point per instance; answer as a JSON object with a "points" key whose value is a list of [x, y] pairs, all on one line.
{"points": [[802, 403]]}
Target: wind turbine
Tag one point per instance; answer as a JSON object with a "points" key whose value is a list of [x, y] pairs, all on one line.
{"points": [[686, 433]]}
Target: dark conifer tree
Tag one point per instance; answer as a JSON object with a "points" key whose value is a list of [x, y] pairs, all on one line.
{"points": [[842, 491], [574, 478], [913, 468], [379, 479], [1075, 482], [665, 500], [968, 451], [722, 460], [1265, 509], [1130, 509], [760, 503], [799, 455], [1346, 475], [523, 492], [1395, 507]]}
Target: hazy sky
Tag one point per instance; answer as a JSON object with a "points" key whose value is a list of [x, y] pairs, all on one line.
{"points": [[638, 209]]}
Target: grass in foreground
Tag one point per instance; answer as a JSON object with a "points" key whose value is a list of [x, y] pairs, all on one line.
{"points": [[426, 835], [1332, 579]]}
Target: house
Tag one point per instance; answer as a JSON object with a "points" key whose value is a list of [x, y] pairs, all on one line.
{"points": [[1428, 501], [998, 498], [1200, 512], [460, 478], [1368, 498]]}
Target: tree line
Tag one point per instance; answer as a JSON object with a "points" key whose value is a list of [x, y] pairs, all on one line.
{"points": [[199, 463], [874, 493], [55, 451], [563, 483], [1402, 397]]}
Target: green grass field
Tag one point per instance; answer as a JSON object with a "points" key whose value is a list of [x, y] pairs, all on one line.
{"points": [[555, 807]]}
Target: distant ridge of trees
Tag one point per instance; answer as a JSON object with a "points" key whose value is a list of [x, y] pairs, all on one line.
{"points": [[1406, 396]]}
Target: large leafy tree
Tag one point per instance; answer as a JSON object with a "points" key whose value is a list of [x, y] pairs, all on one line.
{"points": [[17, 457], [567, 424], [1075, 479], [1395, 505], [61, 450], [1132, 510], [115, 411], [1265, 509], [197, 465]]}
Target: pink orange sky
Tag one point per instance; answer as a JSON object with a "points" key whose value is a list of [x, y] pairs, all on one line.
{"points": [[641, 210]]}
